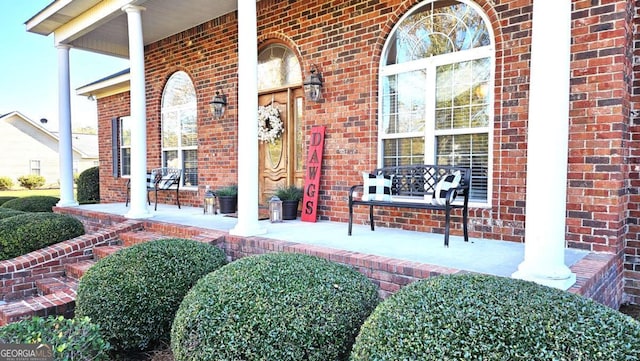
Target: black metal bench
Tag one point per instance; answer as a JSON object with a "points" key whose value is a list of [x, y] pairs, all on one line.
{"points": [[413, 187], [160, 179]]}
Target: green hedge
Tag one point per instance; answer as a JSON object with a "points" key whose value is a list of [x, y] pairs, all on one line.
{"points": [[5, 199], [28, 232], [32, 203], [70, 339], [477, 317], [7, 212], [134, 293], [89, 186], [273, 307]]}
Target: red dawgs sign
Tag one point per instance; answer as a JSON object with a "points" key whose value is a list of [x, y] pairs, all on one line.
{"points": [[312, 176]]}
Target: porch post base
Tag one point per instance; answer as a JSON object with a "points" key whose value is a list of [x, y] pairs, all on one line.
{"points": [[244, 230], [67, 203], [138, 214], [561, 278]]}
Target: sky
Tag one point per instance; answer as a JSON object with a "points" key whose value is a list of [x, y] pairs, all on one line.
{"points": [[29, 69]]}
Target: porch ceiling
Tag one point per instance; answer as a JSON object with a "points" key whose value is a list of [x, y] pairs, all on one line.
{"points": [[101, 26]]}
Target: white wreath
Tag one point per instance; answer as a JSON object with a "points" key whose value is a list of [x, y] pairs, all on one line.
{"points": [[270, 125]]}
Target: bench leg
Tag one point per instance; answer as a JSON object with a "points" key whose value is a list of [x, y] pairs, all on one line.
{"points": [[350, 217], [178, 198], [156, 207], [464, 225], [446, 226], [371, 217]]}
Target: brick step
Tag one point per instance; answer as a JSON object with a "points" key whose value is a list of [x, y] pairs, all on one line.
{"points": [[104, 251], [131, 238], [51, 285], [58, 303], [78, 269]]}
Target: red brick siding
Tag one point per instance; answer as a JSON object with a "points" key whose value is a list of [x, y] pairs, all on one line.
{"points": [[344, 40]]}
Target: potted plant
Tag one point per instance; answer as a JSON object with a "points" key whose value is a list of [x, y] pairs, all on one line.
{"points": [[290, 197], [228, 198]]}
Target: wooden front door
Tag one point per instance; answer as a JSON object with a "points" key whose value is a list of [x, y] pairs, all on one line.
{"points": [[280, 163]]}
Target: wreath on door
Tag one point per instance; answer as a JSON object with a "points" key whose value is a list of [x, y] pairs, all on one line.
{"points": [[270, 126]]}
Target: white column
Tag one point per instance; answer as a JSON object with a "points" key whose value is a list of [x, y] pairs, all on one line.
{"points": [[248, 224], [65, 150], [138, 204], [548, 136]]}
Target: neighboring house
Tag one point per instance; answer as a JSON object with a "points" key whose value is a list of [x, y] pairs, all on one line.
{"points": [[538, 97], [27, 147]]}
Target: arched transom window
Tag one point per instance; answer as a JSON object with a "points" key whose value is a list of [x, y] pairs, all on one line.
{"points": [[179, 127], [436, 81], [278, 67]]}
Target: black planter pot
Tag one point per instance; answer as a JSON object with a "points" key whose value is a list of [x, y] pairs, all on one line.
{"points": [[228, 204], [289, 210]]}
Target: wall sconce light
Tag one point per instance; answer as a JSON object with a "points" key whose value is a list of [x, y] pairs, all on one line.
{"points": [[313, 85], [218, 105]]}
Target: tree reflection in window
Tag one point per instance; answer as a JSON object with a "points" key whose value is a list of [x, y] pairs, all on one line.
{"points": [[438, 27], [179, 127]]}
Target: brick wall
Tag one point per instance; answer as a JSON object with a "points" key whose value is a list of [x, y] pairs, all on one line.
{"points": [[344, 40]]}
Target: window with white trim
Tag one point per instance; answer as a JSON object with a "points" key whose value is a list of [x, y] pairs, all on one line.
{"points": [[124, 127], [436, 79], [179, 127], [34, 167]]}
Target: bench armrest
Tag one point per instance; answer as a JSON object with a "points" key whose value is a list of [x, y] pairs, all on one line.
{"points": [[353, 190]]}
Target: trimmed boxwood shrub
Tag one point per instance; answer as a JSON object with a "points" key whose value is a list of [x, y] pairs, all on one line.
{"points": [[7, 212], [6, 199], [24, 233], [479, 317], [89, 186], [134, 293], [70, 339], [32, 203], [273, 307]]}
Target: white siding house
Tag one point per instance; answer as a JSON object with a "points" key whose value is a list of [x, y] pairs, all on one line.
{"points": [[27, 147]]}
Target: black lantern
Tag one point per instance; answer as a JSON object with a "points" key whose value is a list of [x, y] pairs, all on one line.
{"points": [[313, 86], [218, 105]]}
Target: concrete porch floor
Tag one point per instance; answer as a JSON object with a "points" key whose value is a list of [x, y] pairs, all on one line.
{"points": [[478, 255]]}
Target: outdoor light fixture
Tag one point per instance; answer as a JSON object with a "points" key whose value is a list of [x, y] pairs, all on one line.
{"points": [[218, 105], [313, 85], [209, 202], [275, 210]]}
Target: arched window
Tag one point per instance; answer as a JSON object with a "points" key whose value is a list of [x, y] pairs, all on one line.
{"points": [[278, 67], [179, 127], [435, 100]]}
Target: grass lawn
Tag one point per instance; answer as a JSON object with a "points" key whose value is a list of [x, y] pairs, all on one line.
{"points": [[33, 192]]}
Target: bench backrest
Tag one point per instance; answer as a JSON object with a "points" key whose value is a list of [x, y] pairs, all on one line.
{"points": [[165, 178], [421, 180]]}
